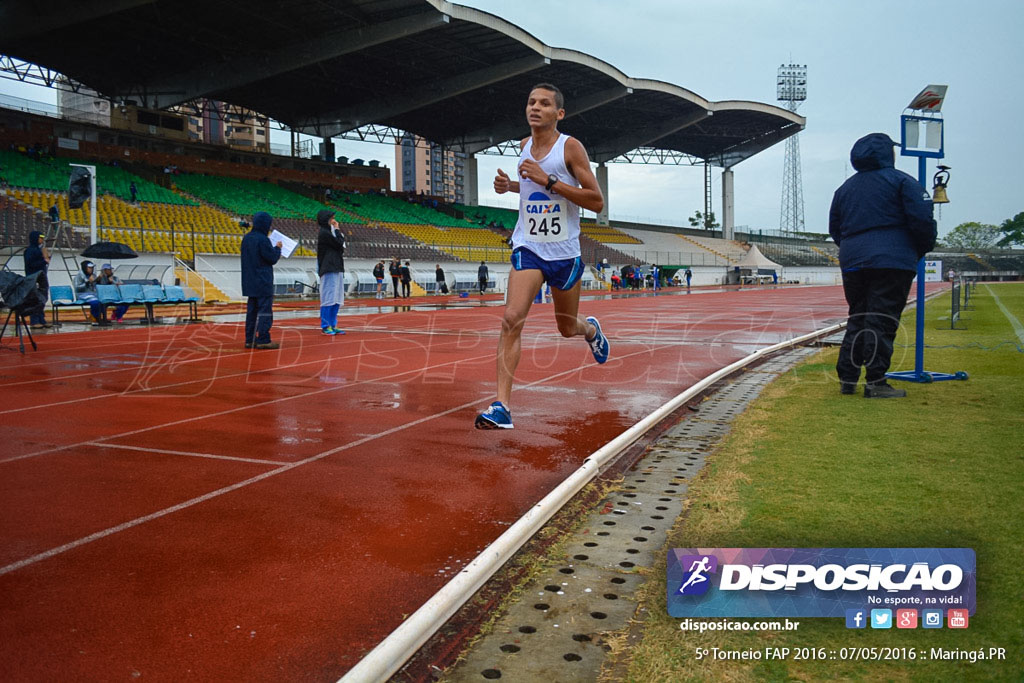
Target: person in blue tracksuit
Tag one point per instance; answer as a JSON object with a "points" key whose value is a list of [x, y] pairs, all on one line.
{"points": [[482, 276], [258, 259], [37, 260], [881, 219]]}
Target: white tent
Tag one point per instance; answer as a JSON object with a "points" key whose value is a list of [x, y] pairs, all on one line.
{"points": [[755, 260]]}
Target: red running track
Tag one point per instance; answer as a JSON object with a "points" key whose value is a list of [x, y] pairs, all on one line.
{"points": [[172, 506]]}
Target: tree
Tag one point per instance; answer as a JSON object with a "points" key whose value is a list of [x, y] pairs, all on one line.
{"points": [[972, 237], [699, 220], [1013, 231]]}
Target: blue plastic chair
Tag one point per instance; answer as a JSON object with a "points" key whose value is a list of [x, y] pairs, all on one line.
{"points": [[134, 294], [149, 295], [153, 293], [62, 295], [177, 294], [108, 294]]}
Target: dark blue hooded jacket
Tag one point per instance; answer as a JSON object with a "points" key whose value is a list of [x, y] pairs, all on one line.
{"points": [[258, 258], [881, 217], [34, 261]]}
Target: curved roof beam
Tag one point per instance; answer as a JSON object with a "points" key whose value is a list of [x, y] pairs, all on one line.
{"points": [[760, 107], [244, 70], [645, 136], [427, 94], [282, 81], [731, 156], [482, 138], [474, 141]]}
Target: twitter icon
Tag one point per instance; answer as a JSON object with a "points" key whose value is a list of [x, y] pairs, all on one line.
{"points": [[881, 618]]}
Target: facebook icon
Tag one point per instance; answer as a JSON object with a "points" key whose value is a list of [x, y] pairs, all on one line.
{"points": [[856, 618]]}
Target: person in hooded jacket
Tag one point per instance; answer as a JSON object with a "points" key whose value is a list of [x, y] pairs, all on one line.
{"points": [[85, 289], [330, 250], [37, 260], [258, 259], [881, 220]]}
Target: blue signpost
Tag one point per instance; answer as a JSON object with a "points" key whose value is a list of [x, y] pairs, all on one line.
{"points": [[932, 147]]}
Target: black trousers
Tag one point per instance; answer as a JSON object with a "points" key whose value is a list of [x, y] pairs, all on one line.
{"points": [[876, 297], [38, 314], [259, 316], [394, 285], [405, 289]]}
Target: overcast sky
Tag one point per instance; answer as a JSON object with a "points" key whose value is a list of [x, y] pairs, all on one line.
{"points": [[865, 62]]}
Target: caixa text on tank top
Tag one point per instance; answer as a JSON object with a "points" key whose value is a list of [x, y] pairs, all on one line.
{"points": [[545, 218]]}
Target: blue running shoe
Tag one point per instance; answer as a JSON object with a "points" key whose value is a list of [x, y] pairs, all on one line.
{"points": [[495, 417], [599, 344], [327, 330], [338, 331]]}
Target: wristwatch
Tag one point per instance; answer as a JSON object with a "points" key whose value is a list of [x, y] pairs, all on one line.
{"points": [[552, 179]]}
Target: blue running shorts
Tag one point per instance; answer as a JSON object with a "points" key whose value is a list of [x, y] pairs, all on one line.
{"points": [[562, 274]]}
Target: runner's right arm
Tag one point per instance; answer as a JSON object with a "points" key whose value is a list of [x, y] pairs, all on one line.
{"points": [[502, 183]]}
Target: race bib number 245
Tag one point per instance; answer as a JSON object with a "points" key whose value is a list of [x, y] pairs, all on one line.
{"points": [[545, 218]]}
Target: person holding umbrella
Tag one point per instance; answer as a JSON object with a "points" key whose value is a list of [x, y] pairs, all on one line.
{"points": [[107, 277]]}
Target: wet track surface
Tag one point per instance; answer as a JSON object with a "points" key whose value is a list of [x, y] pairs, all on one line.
{"points": [[174, 506]]}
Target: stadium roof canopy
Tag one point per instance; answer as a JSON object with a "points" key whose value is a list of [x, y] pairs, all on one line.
{"points": [[452, 74]]}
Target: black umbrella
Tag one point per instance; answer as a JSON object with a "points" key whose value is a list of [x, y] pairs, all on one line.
{"points": [[109, 250]]}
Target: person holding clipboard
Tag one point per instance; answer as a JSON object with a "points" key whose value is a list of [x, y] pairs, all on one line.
{"points": [[258, 258]]}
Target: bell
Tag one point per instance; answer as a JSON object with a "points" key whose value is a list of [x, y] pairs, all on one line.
{"points": [[941, 179]]}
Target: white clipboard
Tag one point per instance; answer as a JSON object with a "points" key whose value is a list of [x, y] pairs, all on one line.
{"points": [[287, 243]]}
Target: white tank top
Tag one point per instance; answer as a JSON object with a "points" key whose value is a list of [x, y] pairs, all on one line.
{"points": [[548, 225]]}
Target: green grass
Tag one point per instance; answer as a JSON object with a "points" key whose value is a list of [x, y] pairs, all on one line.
{"points": [[806, 467]]}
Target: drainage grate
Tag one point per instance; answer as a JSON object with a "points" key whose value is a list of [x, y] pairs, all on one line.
{"points": [[553, 630]]}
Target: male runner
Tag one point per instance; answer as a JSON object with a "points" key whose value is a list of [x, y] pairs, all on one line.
{"points": [[554, 181]]}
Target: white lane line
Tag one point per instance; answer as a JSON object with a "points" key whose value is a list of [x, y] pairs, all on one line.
{"points": [[266, 475], [191, 454], [216, 359], [228, 350], [228, 344], [1017, 327], [237, 409]]}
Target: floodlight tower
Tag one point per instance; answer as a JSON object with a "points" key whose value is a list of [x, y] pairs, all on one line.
{"points": [[792, 81]]}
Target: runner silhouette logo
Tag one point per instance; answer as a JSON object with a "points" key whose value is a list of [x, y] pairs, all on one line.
{"points": [[696, 580]]}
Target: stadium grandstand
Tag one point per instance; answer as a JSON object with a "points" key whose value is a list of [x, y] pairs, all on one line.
{"points": [[191, 196], [192, 214]]}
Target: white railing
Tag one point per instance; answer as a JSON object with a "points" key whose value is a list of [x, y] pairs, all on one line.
{"points": [[178, 263]]}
